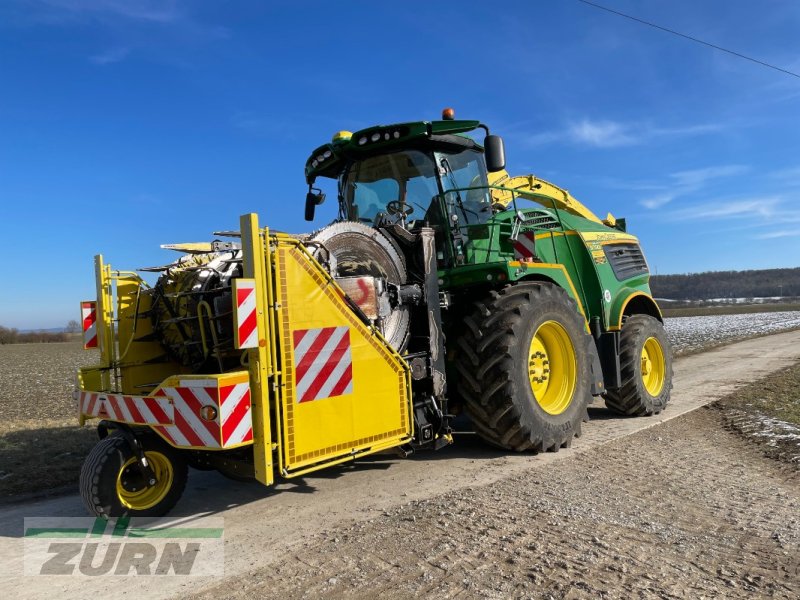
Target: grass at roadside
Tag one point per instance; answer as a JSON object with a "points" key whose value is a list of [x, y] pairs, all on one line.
{"points": [[727, 309], [768, 412]]}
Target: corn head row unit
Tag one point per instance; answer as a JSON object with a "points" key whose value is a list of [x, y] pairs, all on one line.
{"points": [[444, 287]]}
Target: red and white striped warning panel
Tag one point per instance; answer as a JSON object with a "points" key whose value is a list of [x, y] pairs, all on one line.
{"points": [[192, 413], [237, 422], [246, 331], [141, 410], [525, 247], [323, 363], [89, 321]]}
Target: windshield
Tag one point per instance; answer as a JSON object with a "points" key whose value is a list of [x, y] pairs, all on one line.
{"points": [[466, 186], [407, 177]]}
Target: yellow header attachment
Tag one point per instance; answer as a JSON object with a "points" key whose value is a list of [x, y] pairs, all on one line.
{"points": [[190, 247], [532, 188]]}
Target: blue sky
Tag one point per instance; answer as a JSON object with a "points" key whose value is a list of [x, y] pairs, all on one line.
{"points": [[125, 124]]}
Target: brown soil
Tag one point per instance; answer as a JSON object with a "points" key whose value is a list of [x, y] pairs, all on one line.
{"points": [[767, 412], [41, 445]]}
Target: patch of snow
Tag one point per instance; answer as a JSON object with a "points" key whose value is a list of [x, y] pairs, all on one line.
{"points": [[693, 333]]}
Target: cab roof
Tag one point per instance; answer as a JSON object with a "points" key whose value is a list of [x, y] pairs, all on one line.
{"points": [[329, 159]]}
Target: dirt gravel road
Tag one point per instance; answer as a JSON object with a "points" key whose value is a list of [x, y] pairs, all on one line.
{"points": [[675, 511], [685, 510]]}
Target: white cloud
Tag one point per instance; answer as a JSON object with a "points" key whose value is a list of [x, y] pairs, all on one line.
{"points": [[614, 134], [164, 31], [696, 178], [789, 175], [763, 208], [110, 56], [601, 134], [682, 183], [657, 201], [154, 11], [778, 234]]}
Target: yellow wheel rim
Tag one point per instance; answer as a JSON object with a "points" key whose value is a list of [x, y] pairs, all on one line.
{"points": [[552, 367], [653, 366], [132, 489]]}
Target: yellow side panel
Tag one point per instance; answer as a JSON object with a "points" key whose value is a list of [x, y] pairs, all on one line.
{"points": [[90, 378], [347, 392], [142, 364]]}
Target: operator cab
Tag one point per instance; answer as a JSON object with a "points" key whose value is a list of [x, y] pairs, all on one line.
{"points": [[412, 175], [413, 187]]}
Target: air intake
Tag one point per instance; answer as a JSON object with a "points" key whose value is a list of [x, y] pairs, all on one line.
{"points": [[626, 260], [540, 219]]}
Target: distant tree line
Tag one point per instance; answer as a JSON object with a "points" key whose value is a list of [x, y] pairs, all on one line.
{"points": [[727, 284], [10, 335]]}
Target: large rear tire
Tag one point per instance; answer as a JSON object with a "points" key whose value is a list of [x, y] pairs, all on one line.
{"points": [[523, 369], [111, 484], [646, 368]]}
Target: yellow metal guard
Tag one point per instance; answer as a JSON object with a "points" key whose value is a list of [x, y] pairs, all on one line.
{"points": [[346, 392], [256, 266]]}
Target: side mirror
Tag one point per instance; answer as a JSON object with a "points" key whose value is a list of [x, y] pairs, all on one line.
{"points": [[313, 198], [495, 153]]}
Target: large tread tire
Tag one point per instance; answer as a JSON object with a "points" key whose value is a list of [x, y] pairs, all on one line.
{"points": [[491, 368], [99, 472], [632, 398]]}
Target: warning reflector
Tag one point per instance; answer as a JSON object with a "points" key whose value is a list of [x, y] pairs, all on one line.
{"points": [[246, 331], [525, 247], [324, 364], [89, 324]]}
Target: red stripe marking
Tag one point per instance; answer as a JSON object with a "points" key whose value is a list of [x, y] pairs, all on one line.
{"points": [[299, 334], [187, 431], [101, 411], [159, 393], [159, 413], [236, 417], [313, 352], [331, 363], [223, 394], [343, 382], [212, 393], [116, 413], [92, 343], [90, 318], [134, 410], [194, 405], [92, 402], [243, 293], [248, 436], [523, 251], [246, 326], [163, 430]]}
